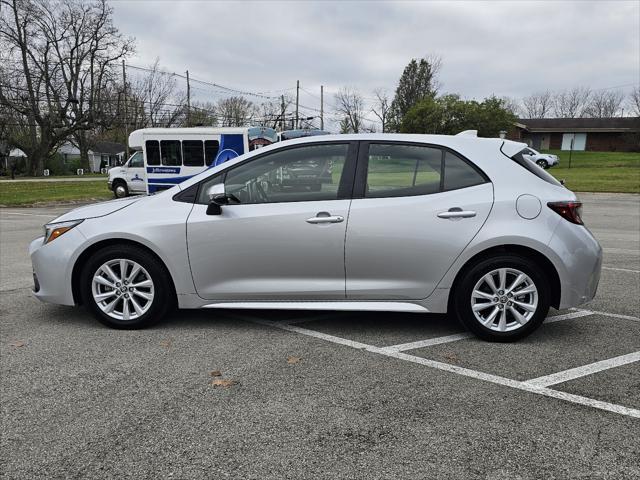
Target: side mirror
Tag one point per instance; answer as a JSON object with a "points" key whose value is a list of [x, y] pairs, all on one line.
{"points": [[217, 198]]}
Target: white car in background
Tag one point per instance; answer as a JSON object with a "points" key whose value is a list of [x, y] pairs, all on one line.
{"points": [[543, 160]]}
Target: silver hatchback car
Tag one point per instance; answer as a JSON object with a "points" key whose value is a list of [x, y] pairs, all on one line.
{"points": [[409, 223]]}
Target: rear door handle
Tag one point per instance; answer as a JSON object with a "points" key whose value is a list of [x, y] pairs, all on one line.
{"points": [[456, 212], [325, 217]]}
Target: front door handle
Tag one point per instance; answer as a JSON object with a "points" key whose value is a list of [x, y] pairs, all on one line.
{"points": [[456, 212], [325, 217]]}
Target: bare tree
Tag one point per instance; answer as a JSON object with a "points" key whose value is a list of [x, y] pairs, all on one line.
{"points": [[350, 107], [235, 112], [204, 114], [571, 103], [511, 105], [59, 60], [156, 99], [538, 105], [633, 102], [605, 104], [382, 107], [273, 112]]}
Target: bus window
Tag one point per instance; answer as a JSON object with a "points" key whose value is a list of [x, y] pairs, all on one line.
{"points": [[211, 148], [192, 153], [153, 152], [170, 152]]}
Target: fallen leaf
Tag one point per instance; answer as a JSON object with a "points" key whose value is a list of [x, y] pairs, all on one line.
{"points": [[17, 343], [451, 356], [220, 382], [292, 360], [165, 343], [216, 373]]}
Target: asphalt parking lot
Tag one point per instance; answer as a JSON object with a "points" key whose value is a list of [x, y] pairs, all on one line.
{"points": [[322, 394]]}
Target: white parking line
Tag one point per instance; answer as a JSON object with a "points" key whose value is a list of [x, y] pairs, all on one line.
{"points": [[621, 269], [607, 314], [632, 251], [461, 336], [573, 373], [428, 342], [495, 379], [27, 214], [568, 316]]}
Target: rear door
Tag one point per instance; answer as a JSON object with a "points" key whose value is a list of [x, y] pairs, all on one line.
{"points": [[418, 208]]}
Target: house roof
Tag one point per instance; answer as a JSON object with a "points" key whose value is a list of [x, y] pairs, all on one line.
{"points": [[617, 124], [111, 148]]}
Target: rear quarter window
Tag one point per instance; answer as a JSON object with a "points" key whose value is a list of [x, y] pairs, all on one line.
{"points": [[533, 168]]}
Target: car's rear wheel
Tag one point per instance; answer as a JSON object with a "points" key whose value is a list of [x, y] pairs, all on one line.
{"points": [[120, 189], [125, 287], [503, 298], [543, 163]]}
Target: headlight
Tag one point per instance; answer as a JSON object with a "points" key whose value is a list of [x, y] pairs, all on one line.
{"points": [[54, 230]]}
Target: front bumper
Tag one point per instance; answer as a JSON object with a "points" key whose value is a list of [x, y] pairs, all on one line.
{"points": [[53, 267]]}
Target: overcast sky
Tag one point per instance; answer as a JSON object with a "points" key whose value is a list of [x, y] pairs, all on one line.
{"points": [[507, 48]]}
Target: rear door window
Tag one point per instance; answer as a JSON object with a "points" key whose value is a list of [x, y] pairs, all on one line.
{"points": [[402, 170]]}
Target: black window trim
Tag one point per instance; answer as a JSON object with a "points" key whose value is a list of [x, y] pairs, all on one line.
{"points": [[360, 183], [345, 189]]}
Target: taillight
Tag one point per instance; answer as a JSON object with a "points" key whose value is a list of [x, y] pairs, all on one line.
{"points": [[570, 211]]}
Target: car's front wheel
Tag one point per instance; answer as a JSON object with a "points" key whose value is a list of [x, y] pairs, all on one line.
{"points": [[125, 287], [503, 298], [543, 164]]}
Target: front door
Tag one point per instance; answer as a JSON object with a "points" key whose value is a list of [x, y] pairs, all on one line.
{"points": [[282, 236], [419, 208], [135, 174]]}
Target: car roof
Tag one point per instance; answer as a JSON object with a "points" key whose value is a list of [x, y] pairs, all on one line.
{"points": [[455, 142]]}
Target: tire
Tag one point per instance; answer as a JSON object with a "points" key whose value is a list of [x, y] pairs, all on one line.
{"points": [[543, 164], [120, 189], [146, 305], [474, 289]]}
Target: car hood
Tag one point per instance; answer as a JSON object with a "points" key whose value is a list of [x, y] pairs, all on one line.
{"points": [[97, 209]]}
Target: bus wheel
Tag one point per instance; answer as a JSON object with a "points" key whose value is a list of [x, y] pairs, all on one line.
{"points": [[120, 189]]}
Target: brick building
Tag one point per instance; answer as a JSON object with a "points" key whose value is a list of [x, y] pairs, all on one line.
{"points": [[597, 134]]}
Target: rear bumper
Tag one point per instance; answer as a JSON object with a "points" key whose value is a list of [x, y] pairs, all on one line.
{"points": [[581, 257]]}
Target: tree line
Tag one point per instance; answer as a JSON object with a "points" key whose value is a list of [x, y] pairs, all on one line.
{"points": [[417, 106], [63, 78]]}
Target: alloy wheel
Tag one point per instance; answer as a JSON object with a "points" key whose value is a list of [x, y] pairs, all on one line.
{"points": [[504, 299], [122, 289]]}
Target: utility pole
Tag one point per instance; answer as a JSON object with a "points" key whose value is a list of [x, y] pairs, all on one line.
{"points": [[297, 100], [321, 107], [188, 101], [150, 105], [126, 117], [283, 113]]}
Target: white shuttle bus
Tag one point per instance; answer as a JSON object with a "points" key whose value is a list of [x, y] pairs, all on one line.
{"points": [[166, 156]]}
